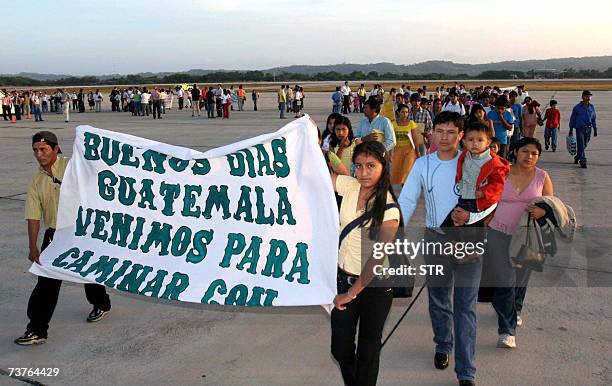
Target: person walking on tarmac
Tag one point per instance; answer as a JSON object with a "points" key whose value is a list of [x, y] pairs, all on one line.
{"points": [[583, 119], [42, 202]]}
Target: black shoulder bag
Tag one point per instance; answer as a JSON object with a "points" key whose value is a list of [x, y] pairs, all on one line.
{"points": [[402, 285]]}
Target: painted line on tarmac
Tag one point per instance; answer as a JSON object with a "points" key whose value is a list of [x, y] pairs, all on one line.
{"points": [[12, 197], [22, 379]]}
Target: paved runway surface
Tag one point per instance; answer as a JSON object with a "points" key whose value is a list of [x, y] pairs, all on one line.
{"points": [[566, 338]]}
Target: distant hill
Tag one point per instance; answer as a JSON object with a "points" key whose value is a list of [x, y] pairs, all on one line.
{"points": [[599, 63]]}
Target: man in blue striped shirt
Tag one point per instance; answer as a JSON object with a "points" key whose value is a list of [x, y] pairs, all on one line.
{"points": [[583, 119], [375, 127]]}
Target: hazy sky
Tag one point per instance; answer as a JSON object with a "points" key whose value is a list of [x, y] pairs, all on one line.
{"points": [[129, 36]]}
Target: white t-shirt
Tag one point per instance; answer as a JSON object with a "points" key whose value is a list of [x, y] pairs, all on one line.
{"points": [[458, 108], [144, 98], [345, 90]]}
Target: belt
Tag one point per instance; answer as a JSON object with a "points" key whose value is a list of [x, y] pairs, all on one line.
{"points": [[348, 277]]}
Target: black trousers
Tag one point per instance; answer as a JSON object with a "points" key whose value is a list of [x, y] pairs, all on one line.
{"points": [[6, 113], [44, 297], [157, 107], [359, 365], [254, 104], [346, 105], [181, 103], [219, 107]]}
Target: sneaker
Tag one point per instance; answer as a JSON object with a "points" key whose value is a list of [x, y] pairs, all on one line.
{"points": [[29, 338], [96, 315], [466, 382], [519, 321], [441, 361], [506, 341], [583, 165]]}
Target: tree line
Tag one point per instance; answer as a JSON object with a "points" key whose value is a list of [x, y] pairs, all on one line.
{"points": [[260, 76]]}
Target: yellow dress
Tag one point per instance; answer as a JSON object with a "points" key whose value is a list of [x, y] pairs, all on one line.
{"points": [[404, 154]]}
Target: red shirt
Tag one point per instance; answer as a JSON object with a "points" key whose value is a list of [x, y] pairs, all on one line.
{"points": [[553, 118]]}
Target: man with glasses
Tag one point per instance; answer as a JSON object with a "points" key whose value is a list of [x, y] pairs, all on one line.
{"points": [[42, 202]]}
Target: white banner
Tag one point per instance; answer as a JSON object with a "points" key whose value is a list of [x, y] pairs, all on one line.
{"points": [[254, 223]]}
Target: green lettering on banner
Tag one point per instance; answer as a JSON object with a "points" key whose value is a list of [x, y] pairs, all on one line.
{"points": [[102, 216], [261, 208], [199, 250], [244, 205], [281, 166], [118, 273], [83, 224], [134, 279], [284, 207], [152, 157], [154, 285], [127, 156], [270, 296], [146, 194], [181, 241], [110, 151], [106, 190], [263, 159], [91, 142], [80, 263], [255, 300], [177, 164], [237, 295], [251, 256], [300, 265], [190, 209], [102, 268], [210, 292], [127, 193], [120, 228], [236, 164], [59, 261], [159, 235], [137, 234], [170, 192], [177, 285], [235, 245], [275, 259], [217, 197], [250, 163], [201, 167]]}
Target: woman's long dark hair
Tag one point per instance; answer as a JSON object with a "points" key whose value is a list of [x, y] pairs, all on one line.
{"points": [[378, 200], [342, 120], [475, 108], [327, 132]]}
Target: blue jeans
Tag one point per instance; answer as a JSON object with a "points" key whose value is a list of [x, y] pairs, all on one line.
{"points": [[509, 284], [550, 137], [583, 136], [336, 108], [281, 107], [37, 113], [457, 315]]}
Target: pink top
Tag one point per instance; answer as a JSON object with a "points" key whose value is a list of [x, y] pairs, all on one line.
{"points": [[512, 204]]}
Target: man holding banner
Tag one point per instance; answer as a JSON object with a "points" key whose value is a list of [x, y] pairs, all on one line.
{"points": [[42, 201]]}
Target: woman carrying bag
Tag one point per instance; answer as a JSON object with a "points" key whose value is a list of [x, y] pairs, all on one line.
{"points": [[368, 202], [524, 183]]}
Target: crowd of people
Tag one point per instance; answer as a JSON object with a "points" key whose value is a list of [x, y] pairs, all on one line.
{"points": [[472, 155], [139, 101]]}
